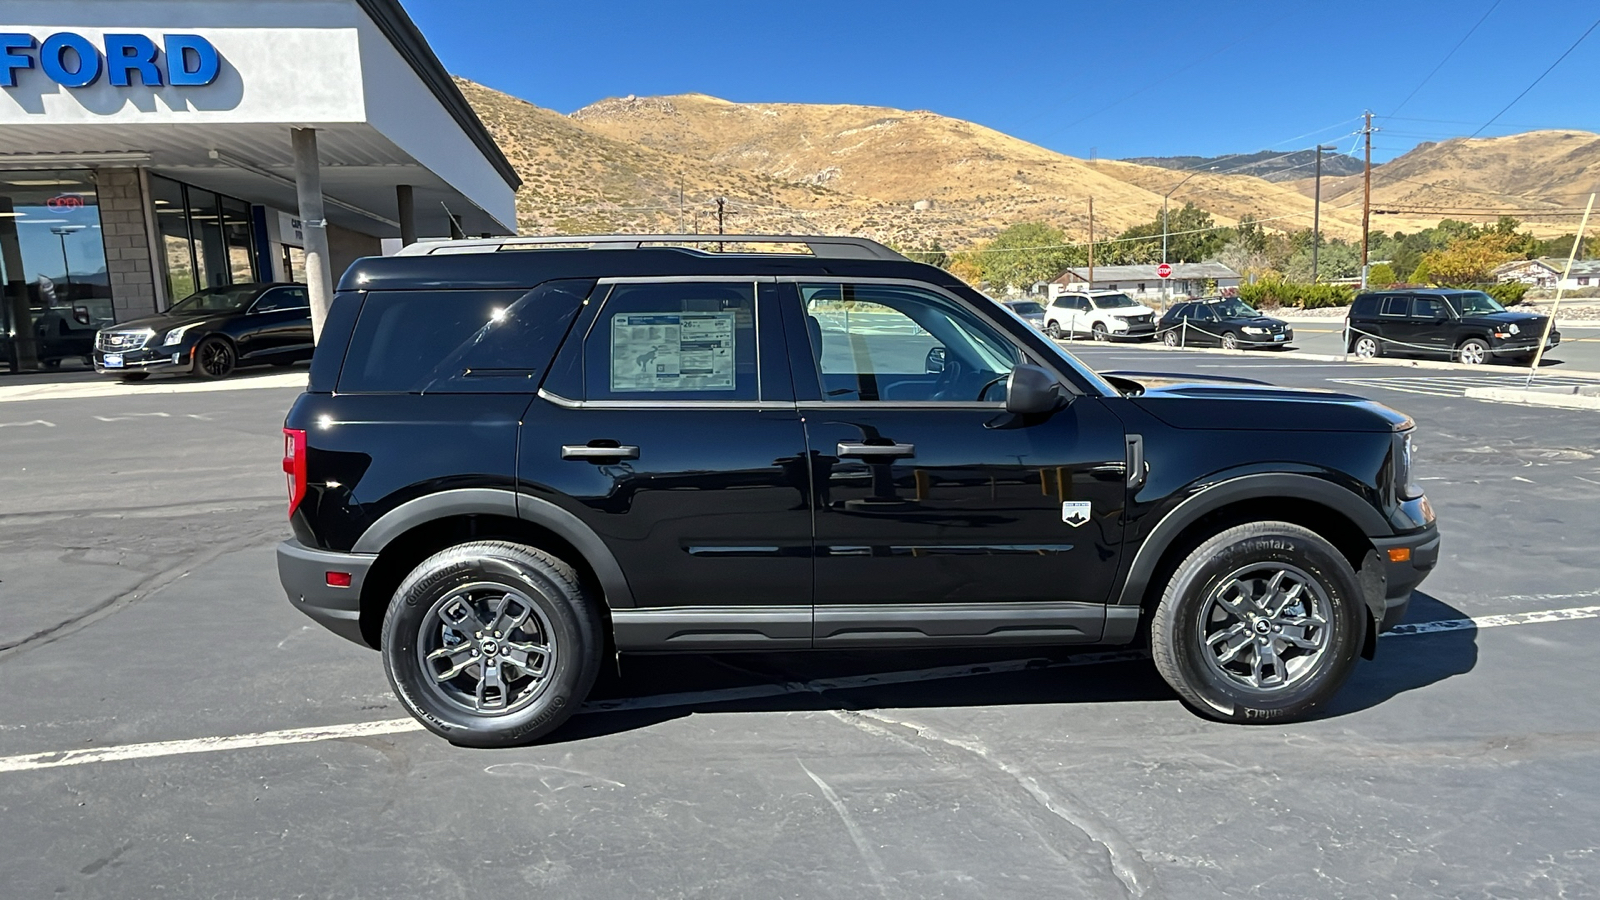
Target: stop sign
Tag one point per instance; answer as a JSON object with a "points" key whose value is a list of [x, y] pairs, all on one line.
{"points": [[1164, 270]]}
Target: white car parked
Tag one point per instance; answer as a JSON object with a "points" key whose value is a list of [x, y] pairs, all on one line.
{"points": [[1103, 315]]}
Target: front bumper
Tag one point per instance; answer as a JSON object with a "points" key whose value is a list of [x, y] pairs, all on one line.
{"points": [[1268, 340], [1397, 578], [149, 359], [1134, 332], [1521, 346], [303, 573]]}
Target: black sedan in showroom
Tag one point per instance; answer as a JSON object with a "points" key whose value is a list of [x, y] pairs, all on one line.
{"points": [[1226, 322], [211, 333]]}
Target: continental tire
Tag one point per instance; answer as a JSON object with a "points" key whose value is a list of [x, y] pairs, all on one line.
{"points": [[491, 644], [1260, 624]]}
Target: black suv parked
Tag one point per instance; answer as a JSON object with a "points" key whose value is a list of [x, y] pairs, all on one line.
{"points": [[514, 457], [210, 333], [1226, 322], [1468, 326]]}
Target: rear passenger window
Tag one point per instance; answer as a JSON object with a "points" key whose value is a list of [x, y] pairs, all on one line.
{"points": [[1365, 306], [402, 336], [1395, 306], [673, 341], [511, 352]]}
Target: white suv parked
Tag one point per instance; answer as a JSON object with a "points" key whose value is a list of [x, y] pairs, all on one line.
{"points": [[1103, 315]]}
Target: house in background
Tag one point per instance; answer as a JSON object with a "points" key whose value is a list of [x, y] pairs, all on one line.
{"points": [[1546, 273], [1142, 282]]}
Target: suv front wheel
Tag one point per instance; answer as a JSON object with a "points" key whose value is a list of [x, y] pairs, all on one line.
{"points": [[491, 644], [1260, 624]]}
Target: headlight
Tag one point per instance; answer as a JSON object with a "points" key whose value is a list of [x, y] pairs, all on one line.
{"points": [[176, 335], [1405, 484], [1251, 329]]}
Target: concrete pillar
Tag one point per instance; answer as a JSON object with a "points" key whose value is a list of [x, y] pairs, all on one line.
{"points": [[125, 223], [408, 215], [308, 185]]}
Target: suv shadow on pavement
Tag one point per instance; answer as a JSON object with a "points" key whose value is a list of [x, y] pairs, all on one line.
{"points": [[1052, 678]]}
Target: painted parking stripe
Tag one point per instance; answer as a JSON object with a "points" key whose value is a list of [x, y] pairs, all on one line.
{"points": [[123, 752]]}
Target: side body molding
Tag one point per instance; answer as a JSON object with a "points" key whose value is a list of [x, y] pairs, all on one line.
{"points": [[1233, 490], [497, 502]]}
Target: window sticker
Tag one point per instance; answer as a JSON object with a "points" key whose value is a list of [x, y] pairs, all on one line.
{"points": [[672, 351]]}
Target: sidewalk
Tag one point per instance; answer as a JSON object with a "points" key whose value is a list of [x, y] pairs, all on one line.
{"points": [[63, 388]]}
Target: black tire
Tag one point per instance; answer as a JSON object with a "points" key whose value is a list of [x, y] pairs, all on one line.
{"points": [[1473, 352], [1098, 330], [134, 376], [1186, 653], [1171, 338], [1230, 341], [1366, 347], [1053, 329], [557, 604], [215, 358]]}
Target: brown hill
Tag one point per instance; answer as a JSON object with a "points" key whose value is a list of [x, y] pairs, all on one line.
{"points": [[1542, 177]]}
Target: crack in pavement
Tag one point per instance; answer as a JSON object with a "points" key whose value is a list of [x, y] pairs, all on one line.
{"points": [[1127, 864], [868, 854]]}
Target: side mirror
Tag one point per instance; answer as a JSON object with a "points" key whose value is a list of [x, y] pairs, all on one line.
{"points": [[934, 364], [1031, 390]]}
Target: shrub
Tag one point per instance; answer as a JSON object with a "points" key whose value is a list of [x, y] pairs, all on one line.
{"points": [[1509, 293], [1290, 293], [1381, 275]]}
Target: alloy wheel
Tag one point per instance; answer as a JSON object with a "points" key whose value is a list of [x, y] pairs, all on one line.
{"points": [[1229, 342], [1265, 627], [1473, 353], [1366, 348], [487, 648], [216, 359]]}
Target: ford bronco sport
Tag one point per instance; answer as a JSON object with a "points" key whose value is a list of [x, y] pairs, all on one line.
{"points": [[515, 457]]}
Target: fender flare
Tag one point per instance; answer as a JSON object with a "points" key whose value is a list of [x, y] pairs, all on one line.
{"points": [[1233, 490], [506, 503]]}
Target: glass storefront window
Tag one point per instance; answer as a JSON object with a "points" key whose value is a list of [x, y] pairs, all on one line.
{"points": [[205, 236], [54, 289]]}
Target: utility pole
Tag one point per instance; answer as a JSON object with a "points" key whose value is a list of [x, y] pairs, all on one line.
{"points": [[1316, 213], [1091, 243], [680, 203], [1366, 197], [720, 202]]}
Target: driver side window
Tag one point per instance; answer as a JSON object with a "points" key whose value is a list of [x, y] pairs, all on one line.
{"points": [[892, 344]]}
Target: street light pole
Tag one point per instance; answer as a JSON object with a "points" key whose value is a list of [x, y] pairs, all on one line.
{"points": [[1316, 213]]}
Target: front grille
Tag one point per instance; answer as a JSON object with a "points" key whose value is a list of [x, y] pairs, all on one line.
{"points": [[1140, 320], [121, 341]]}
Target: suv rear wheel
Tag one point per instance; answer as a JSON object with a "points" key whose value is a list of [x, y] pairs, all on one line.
{"points": [[1367, 347], [1261, 623], [491, 644]]}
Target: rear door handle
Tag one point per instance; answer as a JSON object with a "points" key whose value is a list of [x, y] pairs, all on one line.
{"points": [[591, 452], [853, 450]]}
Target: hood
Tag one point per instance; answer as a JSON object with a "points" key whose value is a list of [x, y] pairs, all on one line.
{"points": [[162, 322], [1509, 317], [1140, 310], [1187, 402]]}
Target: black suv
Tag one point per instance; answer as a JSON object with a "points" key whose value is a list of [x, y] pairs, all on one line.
{"points": [[1468, 326], [211, 333], [1226, 322], [515, 457]]}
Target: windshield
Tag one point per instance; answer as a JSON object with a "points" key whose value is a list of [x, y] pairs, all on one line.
{"points": [[1027, 308], [1232, 306], [1114, 301], [229, 299], [1475, 303]]}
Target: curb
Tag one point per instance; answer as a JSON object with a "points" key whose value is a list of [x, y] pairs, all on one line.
{"points": [[1390, 362], [1533, 398], [17, 393]]}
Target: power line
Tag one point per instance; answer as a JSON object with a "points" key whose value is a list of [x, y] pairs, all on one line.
{"points": [[1536, 81], [1447, 56]]}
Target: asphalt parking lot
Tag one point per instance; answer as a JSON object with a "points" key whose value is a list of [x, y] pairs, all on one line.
{"points": [[170, 727]]}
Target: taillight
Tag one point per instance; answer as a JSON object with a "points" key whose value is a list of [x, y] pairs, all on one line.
{"points": [[294, 465]]}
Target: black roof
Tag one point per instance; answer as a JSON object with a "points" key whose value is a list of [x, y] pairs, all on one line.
{"points": [[511, 269]]}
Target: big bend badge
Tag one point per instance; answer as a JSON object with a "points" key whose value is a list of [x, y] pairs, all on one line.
{"points": [[1075, 512]]}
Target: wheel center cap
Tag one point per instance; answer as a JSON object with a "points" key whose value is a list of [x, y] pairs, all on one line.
{"points": [[490, 648], [1263, 626]]}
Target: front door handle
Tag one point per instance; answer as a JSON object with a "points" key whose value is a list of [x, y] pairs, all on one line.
{"points": [[591, 452], [854, 450]]}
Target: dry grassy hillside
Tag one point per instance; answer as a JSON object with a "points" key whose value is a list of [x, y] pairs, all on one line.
{"points": [[1520, 174]]}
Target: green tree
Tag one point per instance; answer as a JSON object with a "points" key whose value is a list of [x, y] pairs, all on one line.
{"points": [[1026, 253], [1381, 274], [1192, 236]]}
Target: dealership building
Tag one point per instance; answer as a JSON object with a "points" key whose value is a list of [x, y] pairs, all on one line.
{"points": [[155, 147]]}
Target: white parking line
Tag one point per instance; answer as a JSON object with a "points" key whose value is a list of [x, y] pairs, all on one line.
{"points": [[59, 758]]}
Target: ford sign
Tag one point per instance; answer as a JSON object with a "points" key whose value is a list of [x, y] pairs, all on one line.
{"points": [[72, 60]]}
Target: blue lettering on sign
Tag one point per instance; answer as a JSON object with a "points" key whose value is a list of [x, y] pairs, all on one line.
{"points": [[72, 60]]}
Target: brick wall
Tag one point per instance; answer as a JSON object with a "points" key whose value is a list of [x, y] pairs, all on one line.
{"points": [[122, 224]]}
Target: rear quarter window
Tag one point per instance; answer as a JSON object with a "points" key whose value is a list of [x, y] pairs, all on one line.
{"points": [[1365, 307], [402, 337]]}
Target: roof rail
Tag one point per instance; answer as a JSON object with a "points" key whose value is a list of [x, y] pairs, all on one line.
{"points": [[826, 246]]}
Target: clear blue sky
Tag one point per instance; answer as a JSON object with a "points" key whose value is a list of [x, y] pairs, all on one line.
{"points": [[1124, 79]]}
